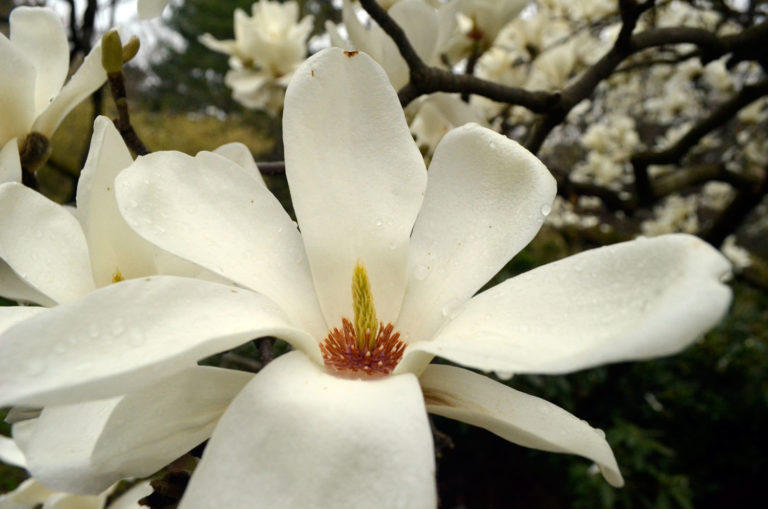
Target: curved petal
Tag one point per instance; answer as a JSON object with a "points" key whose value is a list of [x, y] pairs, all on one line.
{"points": [[630, 301], [240, 154], [59, 446], [515, 416], [129, 335], [40, 35], [486, 199], [130, 499], [114, 247], [11, 315], [17, 97], [88, 77], [299, 437], [86, 447], [30, 493], [420, 24], [13, 287], [356, 178], [209, 211], [44, 244], [10, 453], [10, 163], [151, 8]]}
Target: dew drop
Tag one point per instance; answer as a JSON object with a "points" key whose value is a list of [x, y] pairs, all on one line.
{"points": [[133, 204], [136, 337], [546, 210], [379, 222], [83, 366], [392, 246], [420, 272], [118, 326], [492, 145]]}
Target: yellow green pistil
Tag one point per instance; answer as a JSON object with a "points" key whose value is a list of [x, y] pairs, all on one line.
{"points": [[367, 346]]}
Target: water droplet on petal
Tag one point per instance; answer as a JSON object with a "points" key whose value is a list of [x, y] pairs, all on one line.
{"points": [[545, 210], [492, 145], [35, 367], [133, 204], [420, 272], [392, 246], [379, 222], [136, 337], [118, 326]]}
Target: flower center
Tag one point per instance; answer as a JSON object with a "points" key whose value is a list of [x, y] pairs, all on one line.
{"points": [[367, 346]]}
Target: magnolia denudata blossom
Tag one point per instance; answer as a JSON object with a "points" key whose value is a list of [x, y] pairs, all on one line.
{"points": [[50, 255], [34, 63], [267, 48], [380, 280], [428, 28]]}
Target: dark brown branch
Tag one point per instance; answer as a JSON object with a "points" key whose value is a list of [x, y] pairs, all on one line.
{"points": [[736, 212], [123, 122], [425, 79], [689, 177], [677, 151]]}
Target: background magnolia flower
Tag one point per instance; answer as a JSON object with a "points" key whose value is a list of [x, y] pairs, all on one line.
{"points": [[267, 48], [150, 8], [418, 246], [31, 494], [34, 64], [49, 255], [429, 30]]}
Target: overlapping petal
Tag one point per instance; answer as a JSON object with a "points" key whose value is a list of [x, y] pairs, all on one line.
{"points": [[86, 447], [515, 416], [88, 77], [485, 200], [299, 437], [129, 335], [40, 35], [209, 211], [114, 247], [151, 8], [630, 301], [43, 244], [17, 98], [356, 178], [10, 164]]}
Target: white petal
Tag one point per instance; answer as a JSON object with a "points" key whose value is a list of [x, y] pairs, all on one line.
{"points": [[356, 178], [240, 154], [10, 164], [419, 22], [11, 315], [150, 428], [299, 437], [43, 244], [151, 8], [28, 494], [86, 447], [209, 211], [40, 35], [630, 301], [17, 96], [515, 416], [59, 447], [10, 453], [129, 335], [484, 202], [113, 245], [13, 287], [88, 77]]}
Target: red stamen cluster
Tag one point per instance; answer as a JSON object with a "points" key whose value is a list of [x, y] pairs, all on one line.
{"points": [[342, 353]]}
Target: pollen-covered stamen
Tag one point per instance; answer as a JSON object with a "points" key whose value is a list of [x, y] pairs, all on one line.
{"points": [[343, 353]]}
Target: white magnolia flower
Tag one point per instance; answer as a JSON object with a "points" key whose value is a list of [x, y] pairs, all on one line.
{"points": [[34, 64], [428, 29], [342, 420], [30, 494], [486, 18], [267, 48], [51, 255], [151, 8]]}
